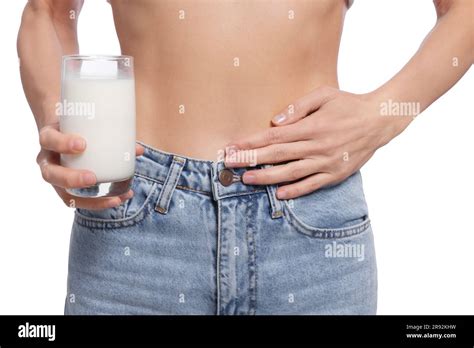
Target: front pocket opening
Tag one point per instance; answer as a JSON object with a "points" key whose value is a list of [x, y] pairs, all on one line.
{"points": [[325, 233], [139, 214]]}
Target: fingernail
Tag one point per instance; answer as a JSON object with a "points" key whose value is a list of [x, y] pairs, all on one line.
{"points": [[249, 179], [281, 194], [88, 179], [279, 118], [78, 144]]}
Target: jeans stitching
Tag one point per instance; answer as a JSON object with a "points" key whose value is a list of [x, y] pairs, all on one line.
{"points": [[170, 184], [228, 195], [252, 264], [179, 187], [218, 259], [160, 152], [118, 223], [276, 206], [325, 233]]}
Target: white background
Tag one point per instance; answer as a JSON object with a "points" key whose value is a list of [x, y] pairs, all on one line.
{"points": [[419, 187]]}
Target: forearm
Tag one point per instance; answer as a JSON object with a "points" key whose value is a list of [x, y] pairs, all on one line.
{"points": [[46, 33], [442, 59]]}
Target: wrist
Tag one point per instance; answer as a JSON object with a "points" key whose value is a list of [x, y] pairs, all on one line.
{"points": [[48, 111], [391, 116]]}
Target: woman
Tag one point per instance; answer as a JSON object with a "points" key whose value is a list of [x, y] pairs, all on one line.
{"points": [[253, 203]]}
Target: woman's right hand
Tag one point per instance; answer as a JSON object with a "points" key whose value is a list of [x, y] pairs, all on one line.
{"points": [[53, 143]]}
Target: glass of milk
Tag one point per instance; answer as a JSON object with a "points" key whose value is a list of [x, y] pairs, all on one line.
{"points": [[98, 103]]}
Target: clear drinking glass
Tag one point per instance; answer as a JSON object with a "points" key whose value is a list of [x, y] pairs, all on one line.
{"points": [[98, 103]]}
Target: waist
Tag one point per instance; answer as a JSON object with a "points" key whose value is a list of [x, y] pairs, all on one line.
{"points": [[199, 120], [202, 176]]}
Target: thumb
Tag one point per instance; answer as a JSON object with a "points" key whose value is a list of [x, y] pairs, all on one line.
{"points": [[304, 106]]}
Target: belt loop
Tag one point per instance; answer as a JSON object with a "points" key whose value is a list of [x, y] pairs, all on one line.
{"points": [[277, 208], [275, 203], [169, 185]]}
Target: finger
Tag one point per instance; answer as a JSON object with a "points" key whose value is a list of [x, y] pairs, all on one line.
{"points": [[139, 150], [52, 139], [93, 203], [304, 106], [271, 154], [274, 135], [283, 173], [66, 177], [305, 186]]}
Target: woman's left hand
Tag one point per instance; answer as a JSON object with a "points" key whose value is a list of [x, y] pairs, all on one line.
{"points": [[319, 140]]}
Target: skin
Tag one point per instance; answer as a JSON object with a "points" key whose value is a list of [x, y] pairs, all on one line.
{"points": [[235, 68]]}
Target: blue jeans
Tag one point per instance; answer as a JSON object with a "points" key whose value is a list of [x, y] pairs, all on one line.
{"points": [[194, 240]]}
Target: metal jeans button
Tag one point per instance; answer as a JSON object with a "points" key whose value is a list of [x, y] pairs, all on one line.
{"points": [[226, 177]]}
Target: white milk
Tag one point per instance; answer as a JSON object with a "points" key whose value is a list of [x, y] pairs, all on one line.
{"points": [[102, 111]]}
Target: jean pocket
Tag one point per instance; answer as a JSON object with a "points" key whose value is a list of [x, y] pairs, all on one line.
{"points": [[125, 214], [337, 211]]}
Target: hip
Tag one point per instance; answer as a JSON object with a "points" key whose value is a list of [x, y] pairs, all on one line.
{"points": [[189, 243]]}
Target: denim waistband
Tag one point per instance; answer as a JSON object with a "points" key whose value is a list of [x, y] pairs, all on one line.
{"points": [[177, 171]]}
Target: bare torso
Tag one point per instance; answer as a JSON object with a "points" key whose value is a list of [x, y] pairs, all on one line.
{"points": [[210, 71]]}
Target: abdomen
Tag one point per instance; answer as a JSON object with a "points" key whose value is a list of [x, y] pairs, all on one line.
{"points": [[210, 71]]}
